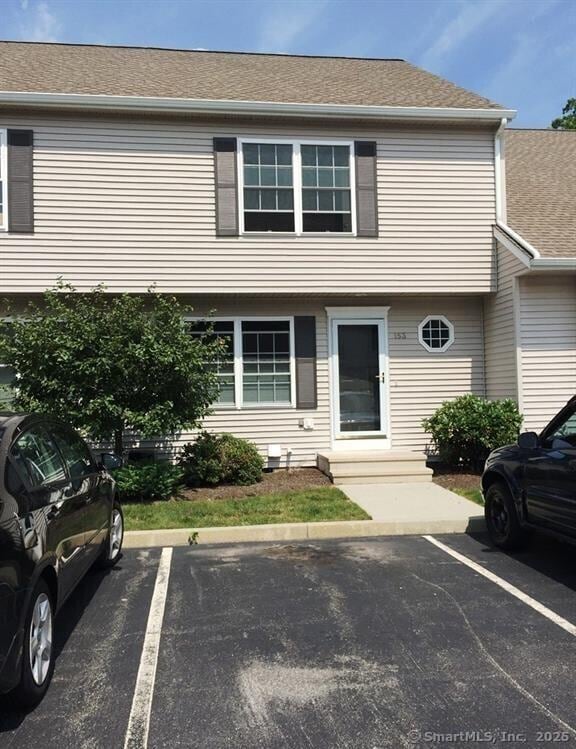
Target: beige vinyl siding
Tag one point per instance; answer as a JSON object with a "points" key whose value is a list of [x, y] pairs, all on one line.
{"points": [[419, 380], [500, 329], [548, 337], [131, 202]]}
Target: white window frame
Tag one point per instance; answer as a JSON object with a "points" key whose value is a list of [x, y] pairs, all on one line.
{"points": [[296, 144], [238, 361], [450, 327], [4, 177]]}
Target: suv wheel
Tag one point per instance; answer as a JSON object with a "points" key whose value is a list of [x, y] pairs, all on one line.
{"points": [[502, 518], [38, 650]]}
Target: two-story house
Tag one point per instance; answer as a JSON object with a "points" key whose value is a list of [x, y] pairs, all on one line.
{"points": [[342, 221]]}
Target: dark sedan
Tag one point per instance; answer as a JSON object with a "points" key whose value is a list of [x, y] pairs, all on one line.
{"points": [[532, 485], [59, 514]]}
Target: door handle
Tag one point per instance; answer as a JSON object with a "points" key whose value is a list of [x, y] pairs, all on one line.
{"points": [[28, 530], [381, 377]]}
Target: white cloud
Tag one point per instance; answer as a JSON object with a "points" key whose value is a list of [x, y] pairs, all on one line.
{"points": [[285, 24], [41, 24], [471, 16]]}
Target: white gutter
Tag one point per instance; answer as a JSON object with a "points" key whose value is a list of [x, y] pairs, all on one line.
{"points": [[554, 263], [218, 106]]}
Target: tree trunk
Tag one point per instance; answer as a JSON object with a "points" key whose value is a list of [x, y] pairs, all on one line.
{"points": [[119, 442]]}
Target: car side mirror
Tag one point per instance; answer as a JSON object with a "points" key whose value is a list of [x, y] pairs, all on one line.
{"points": [[528, 441], [110, 462]]}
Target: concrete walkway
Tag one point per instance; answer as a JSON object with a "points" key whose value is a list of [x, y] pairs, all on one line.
{"points": [[420, 504]]}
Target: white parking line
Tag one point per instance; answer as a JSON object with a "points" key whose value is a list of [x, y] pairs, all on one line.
{"points": [[139, 722], [528, 600]]}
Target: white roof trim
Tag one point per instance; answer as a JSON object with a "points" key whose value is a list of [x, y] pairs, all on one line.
{"points": [[520, 247], [225, 106], [501, 228], [518, 252]]}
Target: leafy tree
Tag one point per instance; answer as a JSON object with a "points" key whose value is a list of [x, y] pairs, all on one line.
{"points": [[108, 364], [568, 120]]}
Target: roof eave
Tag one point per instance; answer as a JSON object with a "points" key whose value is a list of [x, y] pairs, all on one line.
{"points": [[553, 263], [225, 106]]}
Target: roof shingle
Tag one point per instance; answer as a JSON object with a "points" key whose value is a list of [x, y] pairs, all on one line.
{"points": [[541, 189], [236, 76]]}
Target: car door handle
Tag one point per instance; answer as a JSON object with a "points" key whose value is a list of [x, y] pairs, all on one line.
{"points": [[28, 530]]}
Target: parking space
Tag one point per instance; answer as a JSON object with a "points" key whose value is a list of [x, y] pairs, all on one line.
{"points": [[366, 643]]}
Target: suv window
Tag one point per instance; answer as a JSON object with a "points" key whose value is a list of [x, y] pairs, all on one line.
{"points": [[75, 452], [37, 455], [564, 434]]}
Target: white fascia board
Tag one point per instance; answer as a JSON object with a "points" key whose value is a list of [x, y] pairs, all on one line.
{"points": [[519, 252], [207, 106], [519, 247], [503, 232]]}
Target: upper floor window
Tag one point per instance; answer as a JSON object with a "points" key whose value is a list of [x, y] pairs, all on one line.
{"points": [[3, 181], [297, 187]]}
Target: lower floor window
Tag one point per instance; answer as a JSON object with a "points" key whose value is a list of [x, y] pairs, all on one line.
{"points": [[436, 333], [266, 361], [256, 368]]}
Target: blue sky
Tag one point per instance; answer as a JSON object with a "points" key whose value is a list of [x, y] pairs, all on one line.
{"points": [[520, 53]]}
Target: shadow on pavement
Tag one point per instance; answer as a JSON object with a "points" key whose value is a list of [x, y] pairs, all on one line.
{"points": [[544, 554], [68, 618]]}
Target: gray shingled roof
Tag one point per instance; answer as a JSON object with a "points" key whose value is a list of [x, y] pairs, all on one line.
{"points": [[148, 72], [541, 189]]}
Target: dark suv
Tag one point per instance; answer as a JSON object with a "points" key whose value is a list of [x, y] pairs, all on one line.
{"points": [[532, 485], [58, 515]]}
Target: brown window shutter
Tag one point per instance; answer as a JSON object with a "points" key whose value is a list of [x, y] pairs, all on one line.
{"points": [[305, 354], [226, 176], [366, 189], [20, 181]]}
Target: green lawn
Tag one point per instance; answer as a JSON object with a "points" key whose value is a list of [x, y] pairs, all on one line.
{"points": [[311, 505], [473, 494]]}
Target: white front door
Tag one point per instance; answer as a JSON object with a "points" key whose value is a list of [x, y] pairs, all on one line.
{"points": [[359, 386]]}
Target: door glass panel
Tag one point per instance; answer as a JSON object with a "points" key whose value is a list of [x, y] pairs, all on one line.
{"points": [[359, 378], [75, 452], [37, 454]]}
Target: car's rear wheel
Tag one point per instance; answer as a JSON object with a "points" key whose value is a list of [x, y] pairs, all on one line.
{"points": [[502, 518], [112, 548], [38, 649]]}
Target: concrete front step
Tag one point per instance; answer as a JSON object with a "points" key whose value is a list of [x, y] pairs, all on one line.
{"points": [[374, 466]]}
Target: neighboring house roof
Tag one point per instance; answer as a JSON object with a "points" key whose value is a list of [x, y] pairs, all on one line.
{"points": [[541, 189], [234, 76]]}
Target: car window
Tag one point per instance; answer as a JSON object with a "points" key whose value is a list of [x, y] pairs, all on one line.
{"points": [[37, 455], [75, 452], [565, 433]]}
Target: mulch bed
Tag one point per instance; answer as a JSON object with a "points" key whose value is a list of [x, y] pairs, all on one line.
{"points": [[451, 479], [273, 482]]}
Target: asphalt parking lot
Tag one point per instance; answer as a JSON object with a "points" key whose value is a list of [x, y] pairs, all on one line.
{"points": [[373, 643]]}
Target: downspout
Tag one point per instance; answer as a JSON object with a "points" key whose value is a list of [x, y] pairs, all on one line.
{"points": [[500, 189], [498, 174]]}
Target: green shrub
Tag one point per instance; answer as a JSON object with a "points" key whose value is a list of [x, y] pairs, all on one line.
{"points": [[200, 461], [220, 459], [466, 429], [242, 464], [147, 482]]}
